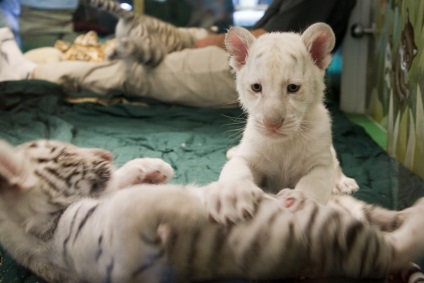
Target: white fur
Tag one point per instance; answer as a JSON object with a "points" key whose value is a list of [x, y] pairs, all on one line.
{"points": [[287, 141]]}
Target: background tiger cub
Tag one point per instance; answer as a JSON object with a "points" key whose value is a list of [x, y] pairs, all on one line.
{"points": [[287, 141], [146, 39], [53, 221]]}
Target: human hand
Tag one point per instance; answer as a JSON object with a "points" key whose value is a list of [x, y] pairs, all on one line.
{"points": [[211, 40]]}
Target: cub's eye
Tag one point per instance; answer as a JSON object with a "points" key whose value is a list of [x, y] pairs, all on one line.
{"points": [[256, 87], [293, 88]]}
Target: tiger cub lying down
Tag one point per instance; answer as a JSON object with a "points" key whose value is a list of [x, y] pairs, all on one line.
{"points": [[63, 215]]}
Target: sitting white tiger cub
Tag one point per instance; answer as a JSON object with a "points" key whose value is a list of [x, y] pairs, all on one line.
{"points": [[63, 217], [287, 142]]}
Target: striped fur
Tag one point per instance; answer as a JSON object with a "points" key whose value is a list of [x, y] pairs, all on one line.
{"points": [[143, 38], [162, 233]]}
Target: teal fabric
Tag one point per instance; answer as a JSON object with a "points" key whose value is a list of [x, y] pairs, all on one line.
{"points": [[193, 140]]}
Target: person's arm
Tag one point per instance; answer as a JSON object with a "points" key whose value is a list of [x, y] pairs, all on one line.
{"points": [[218, 39]]}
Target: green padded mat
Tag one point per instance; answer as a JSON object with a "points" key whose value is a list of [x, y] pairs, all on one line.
{"points": [[193, 140]]}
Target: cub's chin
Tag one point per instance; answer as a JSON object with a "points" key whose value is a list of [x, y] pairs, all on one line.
{"points": [[280, 134]]}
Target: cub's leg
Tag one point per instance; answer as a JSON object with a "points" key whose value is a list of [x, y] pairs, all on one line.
{"points": [[412, 274], [143, 170], [407, 239], [384, 219], [344, 184], [403, 231]]}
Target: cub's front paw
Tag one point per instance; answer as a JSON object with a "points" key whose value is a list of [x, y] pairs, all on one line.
{"points": [[291, 199], [144, 170], [345, 185], [228, 202]]}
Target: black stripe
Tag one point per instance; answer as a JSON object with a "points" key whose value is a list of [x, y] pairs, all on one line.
{"points": [[65, 242], [56, 158], [149, 241], [69, 178], [48, 234], [84, 220], [253, 250], [68, 164], [378, 269], [55, 173], [170, 245], [290, 239], [84, 170], [33, 145], [329, 242], [47, 180], [77, 185], [191, 256], [312, 218], [365, 254], [100, 249], [55, 202], [149, 262], [337, 245], [109, 271], [367, 210], [352, 233], [289, 256], [221, 235], [331, 217]]}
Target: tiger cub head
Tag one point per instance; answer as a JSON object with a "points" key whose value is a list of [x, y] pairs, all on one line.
{"points": [[46, 176], [280, 76]]}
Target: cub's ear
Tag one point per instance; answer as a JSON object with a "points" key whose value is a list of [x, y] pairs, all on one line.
{"points": [[319, 39], [237, 42], [12, 169]]}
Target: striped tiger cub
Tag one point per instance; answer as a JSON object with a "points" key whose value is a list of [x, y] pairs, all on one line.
{"points": [[146, 39], [67, 215]]}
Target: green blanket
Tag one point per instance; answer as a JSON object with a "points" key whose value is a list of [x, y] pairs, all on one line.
{"points": [[192, 140]]}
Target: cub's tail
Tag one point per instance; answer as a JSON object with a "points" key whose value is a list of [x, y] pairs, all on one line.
{"points": [[113, 8]]}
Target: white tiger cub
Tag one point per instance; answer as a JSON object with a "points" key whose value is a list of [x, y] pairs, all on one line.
{"points": [[63, 216], [146, 39], [287, 141]]}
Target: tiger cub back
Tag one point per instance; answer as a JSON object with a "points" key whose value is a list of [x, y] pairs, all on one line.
{"points": [[144, 38]]}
